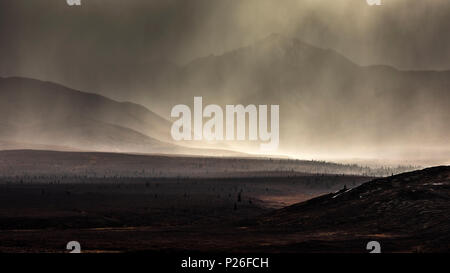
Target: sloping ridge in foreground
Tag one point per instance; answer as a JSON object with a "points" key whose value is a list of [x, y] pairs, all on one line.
{"points": [[412, 205]]}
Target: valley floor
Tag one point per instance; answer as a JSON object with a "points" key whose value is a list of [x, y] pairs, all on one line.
{"points": [[139, 214]]}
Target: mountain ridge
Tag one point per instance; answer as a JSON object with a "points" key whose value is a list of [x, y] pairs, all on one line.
{"points": [[331, 98], [39, 113]]}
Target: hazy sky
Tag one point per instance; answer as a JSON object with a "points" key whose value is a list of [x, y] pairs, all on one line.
{"points": [[41, 38]]}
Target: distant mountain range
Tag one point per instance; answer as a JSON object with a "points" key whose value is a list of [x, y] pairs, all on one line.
{"points": [[329, 106], [43, 115]]}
